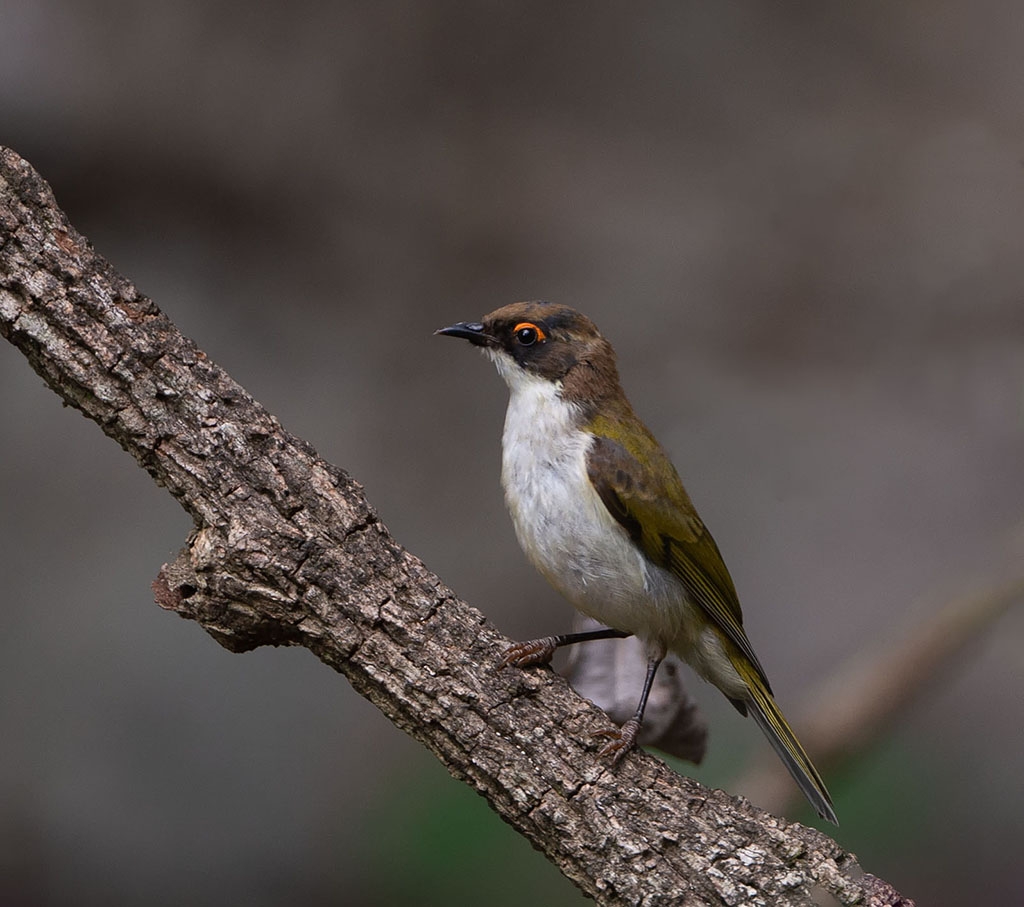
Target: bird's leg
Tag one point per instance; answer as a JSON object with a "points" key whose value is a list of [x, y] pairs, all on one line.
{"points": [[623, 739], [540, 651]]}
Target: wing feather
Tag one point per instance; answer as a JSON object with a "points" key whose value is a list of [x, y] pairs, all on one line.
{"points": [[651, 504]]}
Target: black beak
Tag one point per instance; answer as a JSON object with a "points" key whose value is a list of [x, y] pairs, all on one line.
{"points": [[472, 331]]}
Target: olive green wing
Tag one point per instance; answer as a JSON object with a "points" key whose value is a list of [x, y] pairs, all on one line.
{"points": [[645, 495]]}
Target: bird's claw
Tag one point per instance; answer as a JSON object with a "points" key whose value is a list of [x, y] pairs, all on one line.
{"points": [[531, 652], [621, 740]]}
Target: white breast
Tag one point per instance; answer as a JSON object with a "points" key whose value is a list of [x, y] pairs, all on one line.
{"points": [[561, 523]]}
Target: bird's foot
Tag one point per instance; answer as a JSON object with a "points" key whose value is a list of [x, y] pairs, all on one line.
{"points": [[621, 740], [531, 652]]}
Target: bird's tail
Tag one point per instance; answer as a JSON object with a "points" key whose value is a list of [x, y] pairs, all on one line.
{"points": [[771, 720]]}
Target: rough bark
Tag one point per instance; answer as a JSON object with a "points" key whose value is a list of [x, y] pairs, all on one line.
{"points": [[287, 551]]}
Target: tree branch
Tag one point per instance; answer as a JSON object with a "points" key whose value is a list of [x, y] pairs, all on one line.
{"points": [[287, 551]]}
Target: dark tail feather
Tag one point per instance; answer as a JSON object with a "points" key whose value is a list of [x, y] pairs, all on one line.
{"points": [[766, 713]]}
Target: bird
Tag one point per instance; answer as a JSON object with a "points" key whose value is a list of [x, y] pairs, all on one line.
{"points": [[600, 511]]}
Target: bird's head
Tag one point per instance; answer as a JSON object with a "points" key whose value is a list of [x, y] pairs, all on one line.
{"points": [[542, 340]]}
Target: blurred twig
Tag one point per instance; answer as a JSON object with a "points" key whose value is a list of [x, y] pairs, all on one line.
{"points": [[287, 551], [610, 671], [858, 704]]}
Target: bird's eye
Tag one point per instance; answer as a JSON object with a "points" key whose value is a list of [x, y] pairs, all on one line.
{"points": [[528, 334]]}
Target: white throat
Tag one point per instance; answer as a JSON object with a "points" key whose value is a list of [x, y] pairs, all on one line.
{"points": [[542, 452], [541, 430]]}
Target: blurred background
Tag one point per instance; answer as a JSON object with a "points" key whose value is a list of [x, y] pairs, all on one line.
{"points": [[801, 225]]}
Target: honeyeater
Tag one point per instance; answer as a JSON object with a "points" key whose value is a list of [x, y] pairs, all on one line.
{"points": [[601, 512]]}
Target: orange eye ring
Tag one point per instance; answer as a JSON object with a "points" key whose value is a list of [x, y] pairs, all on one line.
{"points": [[527, 333]]}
